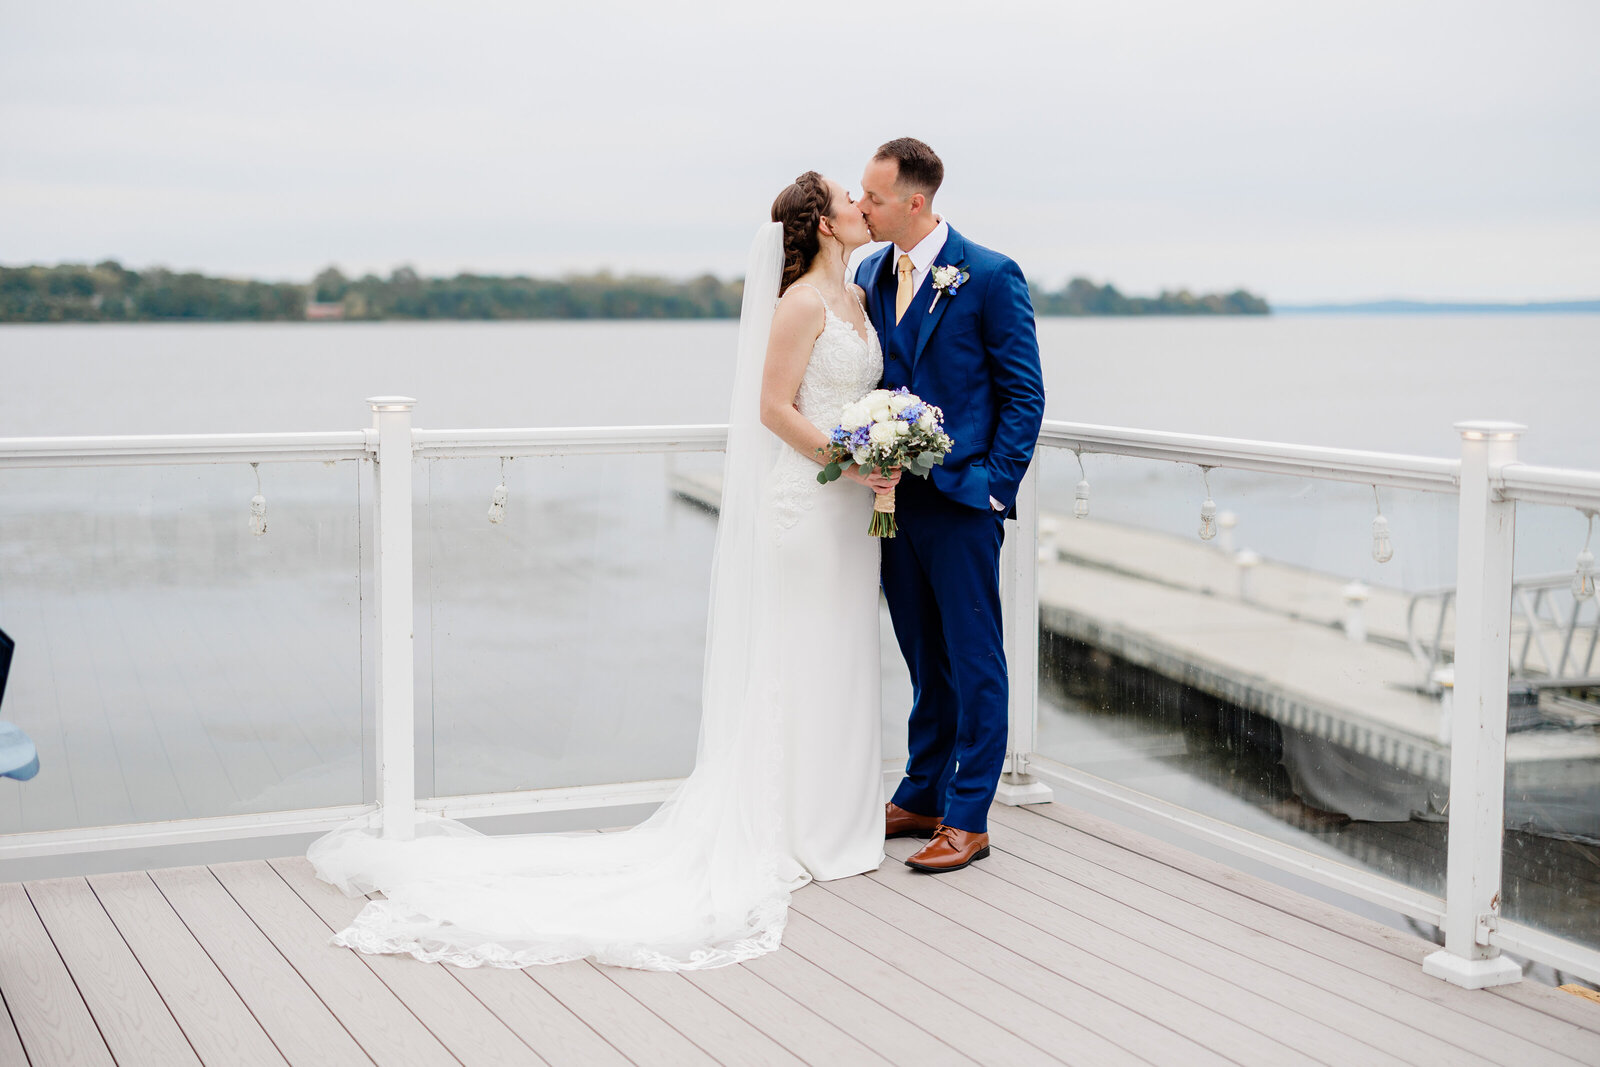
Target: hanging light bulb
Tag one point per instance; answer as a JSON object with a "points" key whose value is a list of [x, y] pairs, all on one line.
{"points": [[1080, 495], [258, 506], [1382, 546], [497, 499], [1583, 578], [1208, 510]]}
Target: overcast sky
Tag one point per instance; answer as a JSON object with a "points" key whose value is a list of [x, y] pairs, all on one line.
{"points": [[1307, 151]]}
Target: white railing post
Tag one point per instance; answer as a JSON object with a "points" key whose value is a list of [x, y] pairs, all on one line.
{"points": [[1478, 730], [396, 708], [1019, 608]]}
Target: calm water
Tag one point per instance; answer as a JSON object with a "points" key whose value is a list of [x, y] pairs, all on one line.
{"points": [[1380, 382]]}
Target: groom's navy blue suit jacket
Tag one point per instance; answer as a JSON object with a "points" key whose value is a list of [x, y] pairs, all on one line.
{"points": [[976, 356]]}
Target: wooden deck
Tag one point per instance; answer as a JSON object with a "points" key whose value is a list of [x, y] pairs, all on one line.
{"points": [[1077, 941]]}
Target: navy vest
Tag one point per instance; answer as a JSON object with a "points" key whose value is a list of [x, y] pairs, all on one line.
{"points": [[902, 347]]}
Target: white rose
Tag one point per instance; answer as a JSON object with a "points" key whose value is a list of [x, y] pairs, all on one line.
{"points": [[900, 401], [882, 433], [876, 397], [881, 413], [925, 420], [855, 416], [863, 456], [900, 428]]}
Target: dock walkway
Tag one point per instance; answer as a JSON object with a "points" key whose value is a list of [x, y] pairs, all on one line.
{"points": [[1076, 941]]}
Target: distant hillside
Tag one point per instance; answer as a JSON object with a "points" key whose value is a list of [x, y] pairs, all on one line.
{"points": [[1422, 307], [1083, 297], [109, 292]]}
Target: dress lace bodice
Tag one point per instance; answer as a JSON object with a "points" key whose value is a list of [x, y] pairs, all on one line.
{"points": [[843, 368]]}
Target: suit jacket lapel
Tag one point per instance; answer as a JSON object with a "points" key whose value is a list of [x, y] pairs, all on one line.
{"points": [[952, 254], [880, 292]]}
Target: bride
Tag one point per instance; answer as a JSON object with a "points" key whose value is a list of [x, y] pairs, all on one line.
{"points": [[787, 783]]}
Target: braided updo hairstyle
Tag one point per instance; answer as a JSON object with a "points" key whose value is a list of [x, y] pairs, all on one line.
{"points": [[800, 208]]}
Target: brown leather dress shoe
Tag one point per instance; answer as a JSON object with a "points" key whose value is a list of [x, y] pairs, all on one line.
{"points": [[898, 822], [950, 850]]}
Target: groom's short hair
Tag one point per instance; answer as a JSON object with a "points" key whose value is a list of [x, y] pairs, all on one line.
{"points": [[921, 170]]}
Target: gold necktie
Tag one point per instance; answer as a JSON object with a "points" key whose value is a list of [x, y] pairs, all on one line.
{"points": [[902, 295]]}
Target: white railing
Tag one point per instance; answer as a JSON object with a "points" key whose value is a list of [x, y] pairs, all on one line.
{"points": [[1486, 477]]}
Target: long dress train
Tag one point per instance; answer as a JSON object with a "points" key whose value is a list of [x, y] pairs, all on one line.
{"points": [[787, 783]]}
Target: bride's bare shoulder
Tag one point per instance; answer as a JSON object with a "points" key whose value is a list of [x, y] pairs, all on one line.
{"points": [[799, 308]]}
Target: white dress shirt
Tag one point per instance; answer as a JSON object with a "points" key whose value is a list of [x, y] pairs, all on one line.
{"points": [[923, 256]]}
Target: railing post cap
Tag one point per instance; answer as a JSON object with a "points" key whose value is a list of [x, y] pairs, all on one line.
{"points": [[392, 403], [1479, 429]]}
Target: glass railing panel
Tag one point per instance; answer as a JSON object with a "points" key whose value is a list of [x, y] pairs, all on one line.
{"points": [[1552, 844], [1229, 676], [563, 645], [171, 664]]}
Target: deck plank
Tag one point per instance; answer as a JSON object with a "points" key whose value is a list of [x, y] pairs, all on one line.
{"points": [[1291, 1008], [378, 1020], [305, 1031], [473, 1033], [1271, 962], [899, 1040], [133, 1019], [51, 1019], [638, 1033], [1194, 902], [701, 1018], [926, 998], [812, 1037], [217, 1023], [560, 1036], [1344, 923], [1107, 1021], [10, 1043], [707, 1022], [1205, 1022]]}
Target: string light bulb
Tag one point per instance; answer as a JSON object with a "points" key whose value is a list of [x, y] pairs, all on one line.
{"points": [[258, 506], [497, 499], [1382, 545], [1583, 577], [1080, 495], [1208, 510]]}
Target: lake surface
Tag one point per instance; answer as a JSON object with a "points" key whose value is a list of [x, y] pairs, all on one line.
{"points": [[1387, 383]]}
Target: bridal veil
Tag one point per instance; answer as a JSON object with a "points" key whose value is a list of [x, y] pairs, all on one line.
{"points": [[705, 880]]}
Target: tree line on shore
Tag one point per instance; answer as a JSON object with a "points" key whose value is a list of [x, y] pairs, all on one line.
{"points": [[108, 292]]}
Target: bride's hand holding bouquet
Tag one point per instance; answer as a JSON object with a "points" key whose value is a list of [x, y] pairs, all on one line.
{"points": [[887, 433]]}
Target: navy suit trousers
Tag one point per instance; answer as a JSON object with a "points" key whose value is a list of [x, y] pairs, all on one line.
{"points": [[941, 576]]}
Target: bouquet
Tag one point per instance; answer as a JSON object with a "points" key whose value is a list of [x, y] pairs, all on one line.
{"points": [[886, 431]]}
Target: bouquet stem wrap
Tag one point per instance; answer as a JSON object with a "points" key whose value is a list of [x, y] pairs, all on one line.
{"points": [[882, 524]]}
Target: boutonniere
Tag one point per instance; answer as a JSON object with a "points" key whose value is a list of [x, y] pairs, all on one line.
{"points": [[946, 280]]}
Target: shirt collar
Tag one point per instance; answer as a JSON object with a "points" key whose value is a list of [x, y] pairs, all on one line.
{"points": [[923, 254]]}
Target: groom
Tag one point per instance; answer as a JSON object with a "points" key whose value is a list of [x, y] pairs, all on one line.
{"points": [[969, 347]]}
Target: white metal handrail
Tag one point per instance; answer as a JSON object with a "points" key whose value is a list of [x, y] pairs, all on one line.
{"points": [[1558, 486], [141, 450], [1269, 457]]}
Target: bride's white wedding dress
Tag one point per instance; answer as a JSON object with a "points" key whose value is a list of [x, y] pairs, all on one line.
{"points": [[787, 783]]}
